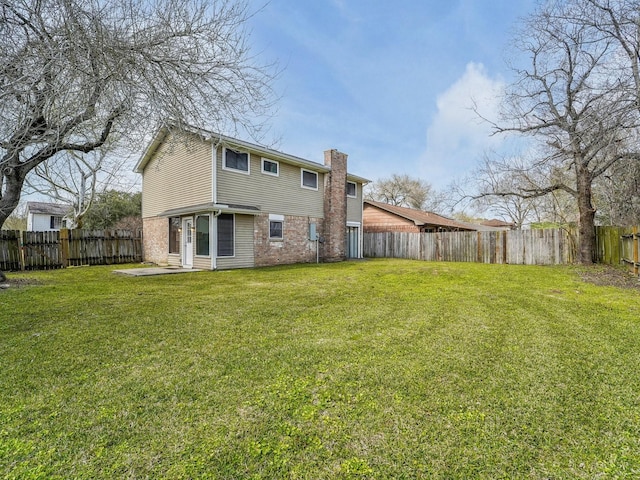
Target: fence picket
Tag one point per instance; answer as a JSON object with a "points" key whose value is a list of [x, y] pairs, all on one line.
{"points": [[10, 257], [530, 247], [59, 249]]}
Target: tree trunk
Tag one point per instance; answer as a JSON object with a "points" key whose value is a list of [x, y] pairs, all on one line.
{"points": [[587, 228], [9, 199]]}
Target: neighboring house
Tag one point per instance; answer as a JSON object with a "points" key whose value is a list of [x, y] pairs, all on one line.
{"points": [[43, 216], [214, 202], [382, 217], [502, 225]]}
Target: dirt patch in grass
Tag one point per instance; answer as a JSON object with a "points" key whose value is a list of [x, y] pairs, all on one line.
{"points": [[12, 282], [607, 275]]}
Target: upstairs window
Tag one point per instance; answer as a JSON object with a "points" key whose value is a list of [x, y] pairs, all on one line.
{"points": [[352, 190], [235, 160], [270, 167], [309, 179]]}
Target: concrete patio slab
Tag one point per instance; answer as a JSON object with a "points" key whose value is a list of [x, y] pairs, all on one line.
{"points": [[148, 271]]}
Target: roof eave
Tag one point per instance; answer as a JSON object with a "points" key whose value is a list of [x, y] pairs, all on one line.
{"points": [[264, 151], [357, 179], [211, 208], [217, 138], [158, 138]]}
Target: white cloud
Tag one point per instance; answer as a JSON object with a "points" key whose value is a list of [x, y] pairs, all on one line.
{"points": [[457, 136]]}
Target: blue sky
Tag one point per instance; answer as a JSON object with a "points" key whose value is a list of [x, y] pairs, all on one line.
{"points": [[388, 83]]}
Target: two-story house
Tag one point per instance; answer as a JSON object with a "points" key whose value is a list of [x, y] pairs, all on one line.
{"points": [[213, 202]]}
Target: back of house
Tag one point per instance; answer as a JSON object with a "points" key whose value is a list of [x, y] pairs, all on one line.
{"points": [[213, 202]]}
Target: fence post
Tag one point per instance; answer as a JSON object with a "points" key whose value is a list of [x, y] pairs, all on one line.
{"points": [[64, 247], [504, 247], [635, 251], [21, 242]]}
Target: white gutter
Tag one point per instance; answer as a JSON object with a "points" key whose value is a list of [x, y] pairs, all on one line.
{"points": [[214, 240]]}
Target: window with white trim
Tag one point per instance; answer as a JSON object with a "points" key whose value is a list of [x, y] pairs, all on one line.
{"points": [[202, 235], [174, 234], [226, 231], [235, 160], [55, 222], [352, 190], [270, 167], [309, 179], [276, 227]]}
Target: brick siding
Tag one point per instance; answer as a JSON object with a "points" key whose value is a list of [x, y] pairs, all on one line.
{"points": [[295, 246], [335, 207], [155, 240]]}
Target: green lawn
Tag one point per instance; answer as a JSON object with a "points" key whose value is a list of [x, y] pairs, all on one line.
{"points": [[374, 369]]}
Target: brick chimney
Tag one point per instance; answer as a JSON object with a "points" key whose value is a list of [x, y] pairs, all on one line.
{"points": [[335, 206]]}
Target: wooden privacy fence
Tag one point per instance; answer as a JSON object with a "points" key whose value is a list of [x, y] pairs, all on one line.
{"points": [[60, 249], [10, 255], [528, 247], [41, 251], [617, 245]]}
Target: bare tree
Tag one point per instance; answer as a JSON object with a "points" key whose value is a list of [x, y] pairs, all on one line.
{"points": [[505, 175], [617, 21], [74, 179], [17, 220], [618, 194], [569, 101], [75, 73], [405, 191]]}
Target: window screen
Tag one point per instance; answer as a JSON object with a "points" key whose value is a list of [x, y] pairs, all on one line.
{"points": [[275, 229], [174, 235], [202, 235], [236, 160], [225, 235], [309, 179]]}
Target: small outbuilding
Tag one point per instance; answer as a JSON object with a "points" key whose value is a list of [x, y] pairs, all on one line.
{"points": [[42, 216]]}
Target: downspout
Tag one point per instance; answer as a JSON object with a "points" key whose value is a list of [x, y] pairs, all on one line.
{"points": [[361, 232], [214, 240], [214, 200], [214, 171]]}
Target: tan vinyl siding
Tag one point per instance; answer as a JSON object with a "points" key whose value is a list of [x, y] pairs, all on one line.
{"points": [[175, 260], [203, 263], [354, 206], [179, 175], [244, 256], [282, 194]]}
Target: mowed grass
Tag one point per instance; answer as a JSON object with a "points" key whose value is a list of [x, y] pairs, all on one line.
{"points": [[373, 369]]}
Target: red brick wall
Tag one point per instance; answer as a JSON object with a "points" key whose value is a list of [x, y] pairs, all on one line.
{"points": [[295, 247], [155, 240], [335, 207]]}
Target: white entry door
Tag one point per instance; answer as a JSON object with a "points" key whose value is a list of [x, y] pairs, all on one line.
{"points": [[187, 242]]}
